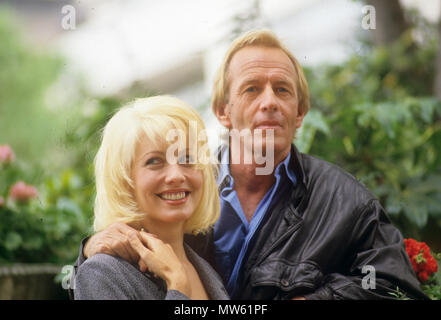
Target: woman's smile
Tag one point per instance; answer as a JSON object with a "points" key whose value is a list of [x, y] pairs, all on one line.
{"points": [[174, 197]]}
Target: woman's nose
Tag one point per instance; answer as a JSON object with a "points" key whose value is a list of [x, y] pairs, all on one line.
{"points": [[175, 174]]}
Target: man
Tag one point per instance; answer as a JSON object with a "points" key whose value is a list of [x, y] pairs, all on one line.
{"points": [[307, 230]]}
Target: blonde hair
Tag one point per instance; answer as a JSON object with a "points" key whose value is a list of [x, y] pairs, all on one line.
{"points": [[256, 38], [154, 117]]}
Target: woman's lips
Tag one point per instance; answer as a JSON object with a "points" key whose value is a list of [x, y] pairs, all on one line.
{"points": [[175, 197]]}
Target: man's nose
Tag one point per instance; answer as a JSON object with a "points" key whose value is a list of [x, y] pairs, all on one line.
{"points": [[174, 174], [269, 100]]}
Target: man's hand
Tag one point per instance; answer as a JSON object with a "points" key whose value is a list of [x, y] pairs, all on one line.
{"points": [[298, 298], [115, 241]]}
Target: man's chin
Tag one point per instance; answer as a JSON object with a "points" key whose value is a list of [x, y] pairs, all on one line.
{"points": [[274, 147]]}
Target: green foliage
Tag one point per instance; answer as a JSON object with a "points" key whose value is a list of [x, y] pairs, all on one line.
{"points": [[46, 229], [375, 117], [26, 121], [432, 288], [399, 295], [84, 135], [50, 228]]}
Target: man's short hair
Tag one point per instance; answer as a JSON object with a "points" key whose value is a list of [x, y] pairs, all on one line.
{"points": [[152, 118], [256, 38]]}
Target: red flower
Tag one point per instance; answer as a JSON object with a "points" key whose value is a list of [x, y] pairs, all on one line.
{"points": [[22, 192], [422, 261], [6, 154]]}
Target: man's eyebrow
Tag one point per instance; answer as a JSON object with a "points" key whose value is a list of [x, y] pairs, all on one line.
{"points": [[287, 81], [248, 81]]}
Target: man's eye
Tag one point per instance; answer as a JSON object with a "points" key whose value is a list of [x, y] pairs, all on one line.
{"points": [[282, 90], [187, 159], [251, 89]]}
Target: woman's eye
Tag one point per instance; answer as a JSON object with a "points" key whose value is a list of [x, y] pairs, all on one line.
{"points": [[153, 161]]}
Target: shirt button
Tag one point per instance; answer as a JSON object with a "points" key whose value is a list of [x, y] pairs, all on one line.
{"points": [[285, 282]]}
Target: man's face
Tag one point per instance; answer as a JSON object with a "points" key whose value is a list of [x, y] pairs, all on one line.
{"points": [[263, 95]]}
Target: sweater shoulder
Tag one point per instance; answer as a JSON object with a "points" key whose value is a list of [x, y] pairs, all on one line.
{"points": [[106, 277], [106, 263]]}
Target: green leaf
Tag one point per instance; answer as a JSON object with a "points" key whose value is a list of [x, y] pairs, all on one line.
{"points": [[13, 241], [314, 121], [417, 214], [65, 204], [33, 243]]}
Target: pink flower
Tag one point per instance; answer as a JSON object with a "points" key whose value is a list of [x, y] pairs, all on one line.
{"points": [[6, 154], [22, 192]]}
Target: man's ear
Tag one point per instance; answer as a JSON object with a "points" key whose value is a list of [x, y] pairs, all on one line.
{"points": [[299, 119], [223, 115]]}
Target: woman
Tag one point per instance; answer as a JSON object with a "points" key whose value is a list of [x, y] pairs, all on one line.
{"points": [[147, 178]]}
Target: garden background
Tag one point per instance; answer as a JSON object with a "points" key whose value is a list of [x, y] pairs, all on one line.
{"points": [[375, 109]]}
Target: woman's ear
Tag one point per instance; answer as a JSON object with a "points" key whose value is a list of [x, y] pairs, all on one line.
{"points": [[223, 115]]}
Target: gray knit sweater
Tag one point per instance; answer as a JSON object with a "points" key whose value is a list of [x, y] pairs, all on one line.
{"points": [[104, 277]]}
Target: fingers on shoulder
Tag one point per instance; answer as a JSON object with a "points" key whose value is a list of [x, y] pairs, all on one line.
{"points": [[150, 239], [138, 246]]}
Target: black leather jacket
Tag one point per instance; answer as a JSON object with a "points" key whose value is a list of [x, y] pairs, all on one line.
{"points": [[325, 239]]}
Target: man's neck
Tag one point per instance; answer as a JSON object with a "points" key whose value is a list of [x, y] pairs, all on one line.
{"points": [[246, 176], [251, 187]]}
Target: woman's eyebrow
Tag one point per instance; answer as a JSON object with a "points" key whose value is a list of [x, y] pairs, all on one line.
{"points": [[154, 152]]}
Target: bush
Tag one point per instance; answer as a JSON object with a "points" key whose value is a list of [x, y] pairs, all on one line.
{"points": [[375, 117], [44, 225]]}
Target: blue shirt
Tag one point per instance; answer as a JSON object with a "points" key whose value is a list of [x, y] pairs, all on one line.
{"points": [[232, 232]]}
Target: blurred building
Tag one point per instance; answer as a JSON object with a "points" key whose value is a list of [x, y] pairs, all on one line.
{"points": [[127, 47], [174, 47], [40, 20]]}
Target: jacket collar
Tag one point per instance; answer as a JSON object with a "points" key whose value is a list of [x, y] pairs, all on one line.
{"points": [[296, 163]]}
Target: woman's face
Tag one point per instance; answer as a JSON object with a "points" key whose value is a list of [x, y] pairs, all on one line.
{"points": [[165, 192]]}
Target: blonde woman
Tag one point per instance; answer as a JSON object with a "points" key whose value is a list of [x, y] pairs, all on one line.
{"points": [[153, 177]]}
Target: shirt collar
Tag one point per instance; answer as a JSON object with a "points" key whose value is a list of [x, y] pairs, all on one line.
{"points": [[284, 167], [224, 179]]}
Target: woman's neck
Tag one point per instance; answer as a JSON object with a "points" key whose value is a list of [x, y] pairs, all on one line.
{"points": [[170, 234]]}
